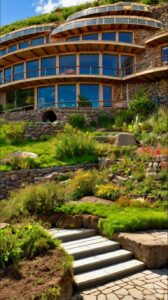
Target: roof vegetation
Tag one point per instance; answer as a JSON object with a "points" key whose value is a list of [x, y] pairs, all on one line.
{"points": [[61, 14]]}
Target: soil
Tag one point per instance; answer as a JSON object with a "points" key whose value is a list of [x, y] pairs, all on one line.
{"points": [[33, 277]]}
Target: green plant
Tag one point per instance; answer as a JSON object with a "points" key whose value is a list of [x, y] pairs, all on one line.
{"points": [[52, 293], [74, 143], [77, 120], [104, 120], [17, 163], [14, 132], [84, 102], [108, 191], [123, 116]]}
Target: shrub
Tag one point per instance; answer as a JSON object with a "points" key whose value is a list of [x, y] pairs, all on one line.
{"points": [[74, 143], [26, 241], [123, 116], [160, 121], [14, 132], [84, 102], [103, 119], [77, 120], [18, 163], [141, 104], [108, 191]]}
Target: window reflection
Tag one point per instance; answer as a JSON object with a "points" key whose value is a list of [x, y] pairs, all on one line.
{"points": [[46, 97], [32, 68], [18, 72], [92, 36], [38, 41], [13, 48], [108, 36], [67, 64], [125, 37], [23, 45], [127, 64], [3, 51], [7, 75], [73, 38], [165, 54], [67, 95], [107, 96], [48, 66], [90, 92], [110, 65], [89, 64], [1, 77]]}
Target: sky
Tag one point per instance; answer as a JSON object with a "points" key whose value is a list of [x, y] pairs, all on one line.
{"points": [[14, 10]]}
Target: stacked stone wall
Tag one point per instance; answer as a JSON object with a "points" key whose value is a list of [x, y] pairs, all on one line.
{"points": [[160, 12]]}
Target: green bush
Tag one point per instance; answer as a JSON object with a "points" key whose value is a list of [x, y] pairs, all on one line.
{"points": [[77, 120], [123, 116], [26, 241], [74, 143], [18, 163], [104, 120], [107, 191], [14, 132], [84, 102]]}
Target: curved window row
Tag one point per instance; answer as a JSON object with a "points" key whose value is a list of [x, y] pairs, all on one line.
{"points": [[67, 96], [89, 64], [121, 36], [109, 8], [106, 21], [25, 44], [28, 31]]}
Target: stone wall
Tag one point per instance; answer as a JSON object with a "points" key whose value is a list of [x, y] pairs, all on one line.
{"points": [[12, 180], [160, 12], [36, 130]]}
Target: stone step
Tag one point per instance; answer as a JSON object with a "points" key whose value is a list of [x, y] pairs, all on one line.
{"points": [[101, 260], [102, 275], [66, 235], [81, 251], [83, 242]]}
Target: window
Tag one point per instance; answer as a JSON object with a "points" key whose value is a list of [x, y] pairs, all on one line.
{"points": [[1, 77], [24, 97], [125, 37], [23, 45], [110, 65], [89, 37], [67, 64], [37, 41], [13, 48], [73, 38], [47, 39], [165, 54], [127, 63], [46, 97], [48, 65], [3, 51], [32, 68], [90, 92], [108, 36], [7, 75], [67, 95], [89, 64], [18, 72], [107, 96]]}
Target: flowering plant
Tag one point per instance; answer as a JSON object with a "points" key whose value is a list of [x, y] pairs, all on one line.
{"points": [[108, 191]]}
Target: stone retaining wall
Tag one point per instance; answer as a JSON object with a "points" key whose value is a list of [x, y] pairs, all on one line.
{"points": [[36, 130], [11, 180]]}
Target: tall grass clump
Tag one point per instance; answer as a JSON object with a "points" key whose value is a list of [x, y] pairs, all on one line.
{"points": [[13, 132], [74, 143]]}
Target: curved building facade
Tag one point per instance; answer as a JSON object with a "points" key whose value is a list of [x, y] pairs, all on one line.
{"points": [[97, 58]]}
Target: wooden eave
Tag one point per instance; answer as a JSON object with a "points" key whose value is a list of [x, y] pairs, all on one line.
{"points": [[158, 39], [148, 75]]}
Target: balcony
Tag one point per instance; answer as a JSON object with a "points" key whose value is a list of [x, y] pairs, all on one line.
{"points": [[157, 39]]}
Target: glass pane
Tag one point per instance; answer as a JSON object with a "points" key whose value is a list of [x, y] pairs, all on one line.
{"points": [[73, 38], [13, 48], [126, 37], [110, 65], [92, 36], [3, 51], [107, 96], [67, 95], [46, 97], [18, 72], [24, 98], [8, 75], [1, 77], [90, 93], [127, 63], [47, 39], [89, 64], [32, 68], [108, 36], [67, 64], [165, 54], [23, 45], [48, 65], [38, 41]]}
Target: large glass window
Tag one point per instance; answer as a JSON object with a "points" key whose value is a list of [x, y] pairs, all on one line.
{"points": [[125, 37], [25, 97], [110, 65], [108, 36], [127, 63], [8, 75], [67, 95], [38, 41], [1, 77], [13, 48], [47, 39], [23, 45], [88, 37], [48, 66], [90, 93], [3, 51], [18, 72], [32, 68], [165, 54], [46, 97], [107, 96], [67, 64], [89, 64], [73, 38]]}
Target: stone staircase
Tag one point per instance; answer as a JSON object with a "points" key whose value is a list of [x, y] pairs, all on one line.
{"points": [[97, 260]]}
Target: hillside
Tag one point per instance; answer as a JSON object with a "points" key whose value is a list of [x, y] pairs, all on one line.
{"points": [[62, 14]]}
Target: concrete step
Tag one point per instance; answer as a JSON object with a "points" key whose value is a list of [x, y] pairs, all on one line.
{"points": [[101, 260], [102, 275], [85, 250], [66, 235], [83, 242]]}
